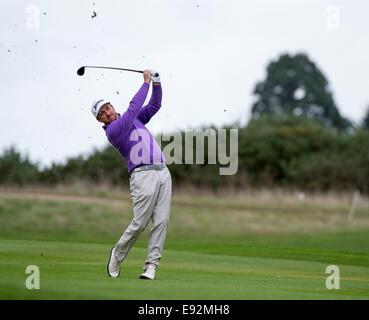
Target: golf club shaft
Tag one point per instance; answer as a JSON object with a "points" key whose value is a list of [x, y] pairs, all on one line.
{"points": [[114, 68]]}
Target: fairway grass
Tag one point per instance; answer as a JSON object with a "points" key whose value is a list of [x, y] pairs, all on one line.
{"points": [[78, 271]]}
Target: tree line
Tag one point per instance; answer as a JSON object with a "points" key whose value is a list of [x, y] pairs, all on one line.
{"points": [[284, 150]]}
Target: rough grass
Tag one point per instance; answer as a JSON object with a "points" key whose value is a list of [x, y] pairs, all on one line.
{"points": [[31, 211]]}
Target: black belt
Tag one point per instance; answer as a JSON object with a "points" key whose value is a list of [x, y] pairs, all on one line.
{"points": [[149, 167]]}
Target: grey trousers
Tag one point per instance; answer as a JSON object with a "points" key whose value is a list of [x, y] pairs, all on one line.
{"points": [[151, 193]]}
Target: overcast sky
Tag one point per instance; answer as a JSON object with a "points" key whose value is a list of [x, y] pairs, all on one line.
{"points": [[210, 54]]}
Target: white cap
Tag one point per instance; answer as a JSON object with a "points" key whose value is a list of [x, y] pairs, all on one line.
{"points": [[96, 106]]}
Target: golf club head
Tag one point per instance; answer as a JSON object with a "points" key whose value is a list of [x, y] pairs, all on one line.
{"points": [[81, 71]]}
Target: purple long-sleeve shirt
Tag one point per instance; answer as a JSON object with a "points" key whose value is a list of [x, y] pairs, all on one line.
{"points": [[128, 133]]}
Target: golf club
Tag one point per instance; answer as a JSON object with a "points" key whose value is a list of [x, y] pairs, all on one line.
{"points": [[81, 70]]}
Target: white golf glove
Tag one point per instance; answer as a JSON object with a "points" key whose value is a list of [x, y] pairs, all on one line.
{"points": [[155, 76]]}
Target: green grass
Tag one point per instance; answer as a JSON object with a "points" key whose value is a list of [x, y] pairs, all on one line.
{"points": [[78, 271], [212, 252]]}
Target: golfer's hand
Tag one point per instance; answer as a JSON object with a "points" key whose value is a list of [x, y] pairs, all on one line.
{"points": [[147, 76], [155, 76]]}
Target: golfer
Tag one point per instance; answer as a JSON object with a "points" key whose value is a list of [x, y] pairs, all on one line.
{"points": [[150, 180]]}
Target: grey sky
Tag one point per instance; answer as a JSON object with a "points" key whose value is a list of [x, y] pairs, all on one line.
{"points": [[210, 54]]}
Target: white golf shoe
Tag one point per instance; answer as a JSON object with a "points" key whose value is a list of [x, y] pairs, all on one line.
{"points": [[113, 266], [149, 272]]}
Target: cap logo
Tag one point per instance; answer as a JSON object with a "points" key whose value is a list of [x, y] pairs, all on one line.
{"points": [[95, 106]]}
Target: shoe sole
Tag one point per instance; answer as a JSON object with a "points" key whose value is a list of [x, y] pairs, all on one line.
{"points": [[107, 267], [145, 278]]}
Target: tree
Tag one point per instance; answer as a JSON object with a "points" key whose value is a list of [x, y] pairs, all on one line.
{"points": [[294, 84], [270, 145], [365, 123], [15, 168]]}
